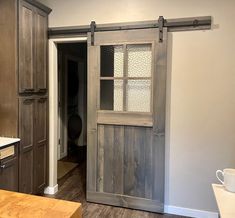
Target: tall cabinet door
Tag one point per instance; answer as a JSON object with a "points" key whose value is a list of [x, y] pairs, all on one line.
{"points": [[26, 51], [40, 149], [26, 134], [41, 50]]}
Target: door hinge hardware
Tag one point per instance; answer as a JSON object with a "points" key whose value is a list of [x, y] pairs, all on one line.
{"points": [[93, 26], [160, 26], [59, 141]]}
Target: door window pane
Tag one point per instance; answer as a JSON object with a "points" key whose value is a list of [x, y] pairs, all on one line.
{"points": [[138, 95], [111, 95], [118, 95], [126, 77], [111, 63], [139, 60]]}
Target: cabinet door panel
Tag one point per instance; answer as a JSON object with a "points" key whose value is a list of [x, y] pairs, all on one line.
{"points": [[26, 118], [40, 150], [41, 50], [26, 51], [26, 132], [9, 174], [26, 172]]}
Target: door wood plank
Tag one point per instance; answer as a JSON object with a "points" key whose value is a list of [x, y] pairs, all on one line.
{"points": [[125, 118], [149, 166], [117, 37], [92, 83], [159, 108], [100, 176], [139, 156], [118, 160], [108, 159], [129, 161]]}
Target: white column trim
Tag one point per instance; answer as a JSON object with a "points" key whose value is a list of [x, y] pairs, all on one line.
{"points": [[53, 109], [51, 190]]}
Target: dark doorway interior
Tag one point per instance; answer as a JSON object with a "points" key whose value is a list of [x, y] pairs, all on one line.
{"points": [[72, 69]]}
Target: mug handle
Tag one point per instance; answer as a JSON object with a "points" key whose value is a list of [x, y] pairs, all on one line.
{"points": [[217, 175]]}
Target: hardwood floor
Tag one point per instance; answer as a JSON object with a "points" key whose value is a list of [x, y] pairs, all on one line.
{"points": [[73, 189]]}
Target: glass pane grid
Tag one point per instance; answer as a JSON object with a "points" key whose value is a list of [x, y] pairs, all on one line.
{"points": [[128, 90]]}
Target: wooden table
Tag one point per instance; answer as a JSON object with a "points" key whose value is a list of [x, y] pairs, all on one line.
{"points": [[225, 201], [13, 204]]}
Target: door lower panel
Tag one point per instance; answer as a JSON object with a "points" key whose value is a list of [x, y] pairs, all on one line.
{"points": [[126, 170], [125, 160], [125, 201]]}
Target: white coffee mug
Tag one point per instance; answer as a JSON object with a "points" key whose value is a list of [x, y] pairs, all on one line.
{"points": [[228, 179]]}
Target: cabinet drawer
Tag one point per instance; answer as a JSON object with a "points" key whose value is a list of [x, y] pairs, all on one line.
{"points": [[7, 152]]}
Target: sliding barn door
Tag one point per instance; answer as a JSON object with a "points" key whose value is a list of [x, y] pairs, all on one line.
{"points": [[126, 119]]}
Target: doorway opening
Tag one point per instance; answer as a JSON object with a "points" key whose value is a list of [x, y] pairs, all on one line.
{"points": [[72, 110]]}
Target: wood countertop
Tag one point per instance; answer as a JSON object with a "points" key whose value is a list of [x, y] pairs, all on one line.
{"points": [[13, 204], [225, 201]]}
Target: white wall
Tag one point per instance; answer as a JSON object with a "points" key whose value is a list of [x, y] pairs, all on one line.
{"points": [[201, 87]]}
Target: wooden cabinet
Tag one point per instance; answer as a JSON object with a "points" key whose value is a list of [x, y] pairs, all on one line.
{"points": [[32, 49], [9, 171], [23, 69]]}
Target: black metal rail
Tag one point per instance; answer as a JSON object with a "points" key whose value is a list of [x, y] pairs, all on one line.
{"points": [[173, 25]]}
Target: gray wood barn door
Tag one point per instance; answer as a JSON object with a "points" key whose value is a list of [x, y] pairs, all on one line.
{"points": [[126, 119]]}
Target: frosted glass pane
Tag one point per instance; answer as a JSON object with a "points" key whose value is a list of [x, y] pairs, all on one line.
{"points": [[139, 60], [138, 95], [111, 63], [111, 95], [118, 61], [118, 95]]}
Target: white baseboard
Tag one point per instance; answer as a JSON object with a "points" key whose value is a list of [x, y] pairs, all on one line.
{"points": [[51, 190], [189, 212]]}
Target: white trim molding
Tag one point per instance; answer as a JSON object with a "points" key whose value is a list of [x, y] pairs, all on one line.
{"points": [[53, 109], [189, 212], [51, 190]]}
